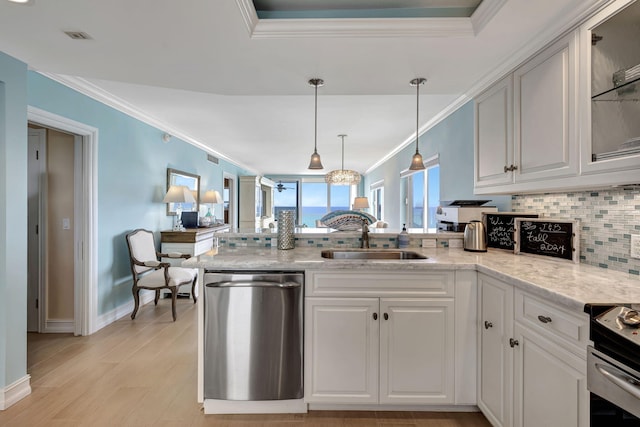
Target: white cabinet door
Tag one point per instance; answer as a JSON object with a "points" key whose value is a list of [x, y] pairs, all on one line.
{"points": [[550, 383], [417, 351], [341, 350], [545, 120], [494, 134], [495, 364]]}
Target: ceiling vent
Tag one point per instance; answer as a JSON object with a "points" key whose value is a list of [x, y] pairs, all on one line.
{"points": [[78, 35], [213, 159]]}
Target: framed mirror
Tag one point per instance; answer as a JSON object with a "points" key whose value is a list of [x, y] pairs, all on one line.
{"points": [[191, 181]]}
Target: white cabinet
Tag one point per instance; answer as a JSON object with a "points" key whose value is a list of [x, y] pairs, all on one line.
{"points": [[256, 208], [610, 90], [494, 134], [342, 341], [526, 124], [495, 363], [550, 386], [532, 359], [383, 349]]}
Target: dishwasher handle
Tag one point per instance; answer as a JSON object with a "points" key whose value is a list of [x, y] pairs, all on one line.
{"points": [[252, 284]]}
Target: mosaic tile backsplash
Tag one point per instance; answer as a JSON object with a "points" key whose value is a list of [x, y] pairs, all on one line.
{"points": [[234, 241], [607, 221]]}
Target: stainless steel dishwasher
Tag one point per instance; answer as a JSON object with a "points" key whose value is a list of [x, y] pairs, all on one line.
{"points": [[253, 335]]}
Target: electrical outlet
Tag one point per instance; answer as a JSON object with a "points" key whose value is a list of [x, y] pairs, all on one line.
{"points": [[635, 246]]}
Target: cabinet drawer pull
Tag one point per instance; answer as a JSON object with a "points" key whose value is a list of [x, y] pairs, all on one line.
{"points": [[514, 168], [488, 325], [544, 319], [513, 342], [386, 316], [506, 169], [510, 168], [375, 316]]}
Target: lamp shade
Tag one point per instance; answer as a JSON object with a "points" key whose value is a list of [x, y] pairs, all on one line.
{"points": [[212, 196], [179, 194], [361, 203]]}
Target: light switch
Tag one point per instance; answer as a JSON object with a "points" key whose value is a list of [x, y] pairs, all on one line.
{"points": [[635, 246], [66, 224]]}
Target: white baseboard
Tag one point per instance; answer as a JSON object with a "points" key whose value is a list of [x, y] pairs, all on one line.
{"points": [[14, 392], [292, 406], [375, 407], [123, 310], [59, 326]]}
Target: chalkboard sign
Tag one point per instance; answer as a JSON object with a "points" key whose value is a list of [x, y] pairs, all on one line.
{"points": [[548, 237], [499, 227]]}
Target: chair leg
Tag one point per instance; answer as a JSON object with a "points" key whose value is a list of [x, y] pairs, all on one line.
{"points": [[193, 290], [174, 297], [136, 301], [155, 301]]}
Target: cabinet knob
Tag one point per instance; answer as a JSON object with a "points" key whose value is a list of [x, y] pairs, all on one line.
{"points": [[513, 342], [386, 316], [506, 169], [544, 319], [375, 316], [488, 325], [514, 167], [510, 168]]}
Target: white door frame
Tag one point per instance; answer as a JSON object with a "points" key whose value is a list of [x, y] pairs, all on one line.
{"points": [[233, 198], [86, 228]]}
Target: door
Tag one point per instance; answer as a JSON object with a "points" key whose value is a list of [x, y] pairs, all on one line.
{"points": [[54, 193], [550, 389], [545, 126], [36, 170], [494, 135], [417, 351], [495, 368], [341, 350]]}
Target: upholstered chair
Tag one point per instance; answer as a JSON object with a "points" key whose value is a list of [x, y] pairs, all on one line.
{"points": [[149, 272]]}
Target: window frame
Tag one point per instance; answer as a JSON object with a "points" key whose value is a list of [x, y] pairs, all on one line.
{"points": [[429, 163], [377, 199]]}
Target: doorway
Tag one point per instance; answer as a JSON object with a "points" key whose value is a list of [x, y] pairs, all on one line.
{"points": [[65, 207], [230, 201], [52, 236]]}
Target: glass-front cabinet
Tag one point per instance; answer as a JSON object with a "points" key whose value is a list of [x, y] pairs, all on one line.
{"points": [[611, 54]]}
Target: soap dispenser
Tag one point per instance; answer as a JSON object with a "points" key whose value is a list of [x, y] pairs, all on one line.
{"points": [[403, 238]]}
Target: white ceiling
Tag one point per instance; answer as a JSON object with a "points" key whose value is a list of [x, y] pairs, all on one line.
{"points": [[193, 69]]}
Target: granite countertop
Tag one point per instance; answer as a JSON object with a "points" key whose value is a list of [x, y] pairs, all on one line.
{"points": [[560, 281]]}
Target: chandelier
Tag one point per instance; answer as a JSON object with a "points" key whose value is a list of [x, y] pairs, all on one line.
{"points": [[342, 176]]}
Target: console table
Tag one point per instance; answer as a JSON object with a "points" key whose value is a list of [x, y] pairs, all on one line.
{"points": [[192, 241]]}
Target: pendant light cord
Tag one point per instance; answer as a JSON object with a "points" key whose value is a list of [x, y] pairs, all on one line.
{"points": [[315, 128], [342, 168], [417, 111]]}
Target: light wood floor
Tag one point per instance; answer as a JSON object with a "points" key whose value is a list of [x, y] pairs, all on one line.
{"points": [[143, 373]]}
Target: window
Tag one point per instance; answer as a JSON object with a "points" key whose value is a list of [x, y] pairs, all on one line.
{"points": [[318, 199], [285, 197], [377, 199], [422, 195]]}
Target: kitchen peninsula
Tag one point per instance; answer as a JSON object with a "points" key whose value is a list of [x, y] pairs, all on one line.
{"points": [[467, 307]]}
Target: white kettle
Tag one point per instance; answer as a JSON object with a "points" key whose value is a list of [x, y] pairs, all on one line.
{"points": [[475, 237]]}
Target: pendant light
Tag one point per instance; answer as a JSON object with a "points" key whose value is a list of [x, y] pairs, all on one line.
{"points": [[315, 162], [416, 162], [342, 176]]}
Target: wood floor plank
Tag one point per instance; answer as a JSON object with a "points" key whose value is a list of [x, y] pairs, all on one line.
{"points": [[143, 373]]}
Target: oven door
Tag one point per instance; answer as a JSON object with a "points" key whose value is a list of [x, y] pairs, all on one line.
{"points": [[617, 385]]}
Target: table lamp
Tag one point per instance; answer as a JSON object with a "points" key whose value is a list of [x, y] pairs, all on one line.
{"points": [[211, 197], [178, 194]]}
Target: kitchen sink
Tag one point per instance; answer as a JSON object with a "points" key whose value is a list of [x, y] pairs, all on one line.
{"points": [[371, 254]]}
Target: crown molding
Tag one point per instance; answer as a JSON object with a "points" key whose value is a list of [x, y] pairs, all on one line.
{"points": [[89, 89], [484, 13], [367, 27]]}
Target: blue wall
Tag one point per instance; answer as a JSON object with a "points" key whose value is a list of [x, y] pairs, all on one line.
{"points": [[452, 140], [13, 220], [132, 164]]}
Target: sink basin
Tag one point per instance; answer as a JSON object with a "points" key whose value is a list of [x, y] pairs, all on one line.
{"points": [[371, 254]]}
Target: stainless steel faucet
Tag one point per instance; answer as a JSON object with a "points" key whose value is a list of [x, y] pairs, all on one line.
{"points": [[364, 244]]}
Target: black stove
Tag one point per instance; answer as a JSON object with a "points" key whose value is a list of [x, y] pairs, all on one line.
{"points": [[613, 365]]}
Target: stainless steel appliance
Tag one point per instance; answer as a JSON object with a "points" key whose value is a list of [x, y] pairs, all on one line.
{"points": [[456, 214], [253, 335], [613, 366], [475, 237]]}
